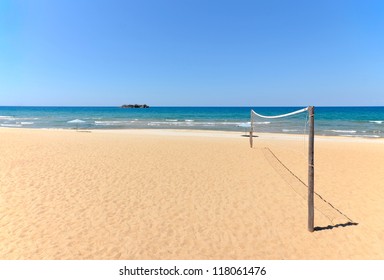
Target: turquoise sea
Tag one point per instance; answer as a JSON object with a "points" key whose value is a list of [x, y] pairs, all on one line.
{"points": [[343, 121]]}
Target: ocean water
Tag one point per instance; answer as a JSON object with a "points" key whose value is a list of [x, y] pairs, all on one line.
{"points": [[343, 121]]}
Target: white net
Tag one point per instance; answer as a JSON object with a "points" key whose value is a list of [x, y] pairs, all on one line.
{"points": [[292, 123]]}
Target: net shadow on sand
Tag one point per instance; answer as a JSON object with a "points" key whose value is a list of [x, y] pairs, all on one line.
{"points": [[337, 218], [329, 227]]}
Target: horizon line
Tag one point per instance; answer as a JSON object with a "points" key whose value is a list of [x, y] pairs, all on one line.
{"points": [[184, 106]]}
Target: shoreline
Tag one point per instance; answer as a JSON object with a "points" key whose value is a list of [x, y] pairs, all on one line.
{"points": [[209, 133]]}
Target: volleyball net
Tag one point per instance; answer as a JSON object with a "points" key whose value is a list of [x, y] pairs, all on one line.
{"points": [[287, 143], [296, 129], [288, 123]]}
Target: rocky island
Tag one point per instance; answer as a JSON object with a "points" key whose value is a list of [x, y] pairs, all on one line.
{"points": [[135, 106]]}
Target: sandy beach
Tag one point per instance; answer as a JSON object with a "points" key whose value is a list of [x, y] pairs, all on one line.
{"points": [[167, 194]]}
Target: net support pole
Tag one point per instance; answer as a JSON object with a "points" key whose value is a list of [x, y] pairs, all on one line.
{"points": [[251, 138], [251, 133], [311, 173]]}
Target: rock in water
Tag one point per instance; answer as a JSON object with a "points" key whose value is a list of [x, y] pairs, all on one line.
{"points": [[135, 106]]}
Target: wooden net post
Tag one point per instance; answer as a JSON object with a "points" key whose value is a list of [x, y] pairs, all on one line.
{"points": [[251, 133], [251, 138], [311, 181]]}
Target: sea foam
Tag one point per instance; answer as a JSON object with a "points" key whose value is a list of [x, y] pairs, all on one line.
{"points": [[10, 125], [290, 130], [111, 123], [343, 131]]}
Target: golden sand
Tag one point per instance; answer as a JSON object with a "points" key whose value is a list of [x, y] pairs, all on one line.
{"points": [[158, 194]]}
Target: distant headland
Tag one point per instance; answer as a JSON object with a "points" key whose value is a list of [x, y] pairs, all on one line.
{"points": [[135, 106]]}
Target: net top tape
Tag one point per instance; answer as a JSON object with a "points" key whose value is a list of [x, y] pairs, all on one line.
{"points": [[281, 116]]}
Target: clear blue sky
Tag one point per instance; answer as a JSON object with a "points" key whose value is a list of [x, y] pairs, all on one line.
{"points": [[191, 52]]}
